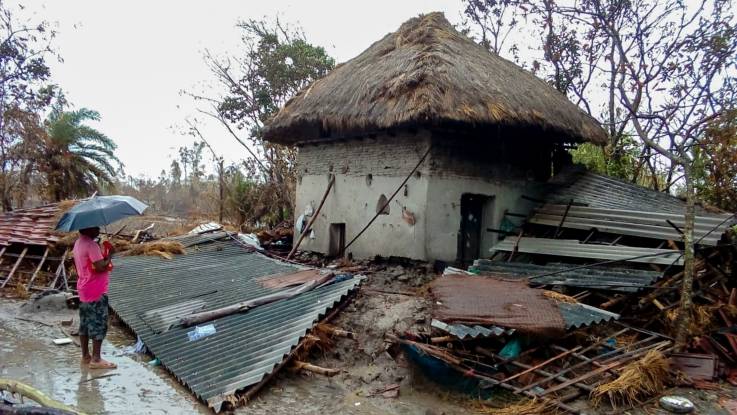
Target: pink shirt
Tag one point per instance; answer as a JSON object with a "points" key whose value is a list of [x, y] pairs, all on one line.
{"points": [[90, 284]]}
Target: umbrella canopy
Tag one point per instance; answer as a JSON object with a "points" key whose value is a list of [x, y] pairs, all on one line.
{"points": [[99, 211]]}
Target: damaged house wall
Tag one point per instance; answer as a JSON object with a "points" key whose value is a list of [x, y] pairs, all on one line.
{"points": [[361, 178], [498, 168], [424, 220]]}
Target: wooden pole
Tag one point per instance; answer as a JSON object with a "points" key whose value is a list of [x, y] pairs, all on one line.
{"points": [[38, 268], [312, 220], [298, 365], [249, 304], [15, 267], [59, 268], [33, 394]]}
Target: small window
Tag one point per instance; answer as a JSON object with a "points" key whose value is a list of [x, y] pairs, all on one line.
{"points": [[369, 179], [382, 201]]}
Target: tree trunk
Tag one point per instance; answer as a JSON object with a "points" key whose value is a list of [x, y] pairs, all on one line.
{"points": [[221, 189], [684, 312]]}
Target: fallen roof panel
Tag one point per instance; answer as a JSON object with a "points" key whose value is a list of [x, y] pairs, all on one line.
{"points": [[613, 279], [585, 187], [576, 249], [151, 293], [708, 230], [29, 226]]}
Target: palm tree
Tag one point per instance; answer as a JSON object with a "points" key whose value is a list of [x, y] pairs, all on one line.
{"points": [[76, 159]]}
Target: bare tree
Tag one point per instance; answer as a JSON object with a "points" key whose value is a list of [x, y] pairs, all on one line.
{"points": [[668, 69]]}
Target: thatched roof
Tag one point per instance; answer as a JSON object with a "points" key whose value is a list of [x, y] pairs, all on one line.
{"points": [[427, 73]]}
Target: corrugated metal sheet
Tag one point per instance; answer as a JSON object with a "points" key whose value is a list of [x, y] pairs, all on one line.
{"points": [[150, 293], [463, 331], [196, 239], [576, 249], [32, 226], [652, 224], [583, 315], [613, 279], [585, 187], [574, 315]]}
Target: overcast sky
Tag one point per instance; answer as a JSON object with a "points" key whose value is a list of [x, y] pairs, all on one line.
{"points": [[130, 59]]}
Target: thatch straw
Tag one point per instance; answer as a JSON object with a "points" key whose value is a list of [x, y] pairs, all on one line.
{"points": [[562, 298], [427, 73], [638, 381], [526, 407], [702, 318], [164, 249]]}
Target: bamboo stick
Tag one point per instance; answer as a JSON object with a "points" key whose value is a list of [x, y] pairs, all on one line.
{"points": [[15, 267], [38, 268], [308, 228]]}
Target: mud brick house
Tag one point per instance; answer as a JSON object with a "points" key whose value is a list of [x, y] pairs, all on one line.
{"points": [[483, 131]]}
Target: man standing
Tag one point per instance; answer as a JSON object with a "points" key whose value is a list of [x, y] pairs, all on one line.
{"points": [[92, 284]]}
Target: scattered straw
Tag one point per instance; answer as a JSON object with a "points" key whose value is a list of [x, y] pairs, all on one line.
{"points": [[638, 380], [702, 318], [66, 240], [21, 292], [318, 340], [526, 407], [164, 249], [562, 298]]}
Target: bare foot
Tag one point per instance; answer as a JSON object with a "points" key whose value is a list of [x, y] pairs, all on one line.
{"points": [[86, 360], [102, 364]]}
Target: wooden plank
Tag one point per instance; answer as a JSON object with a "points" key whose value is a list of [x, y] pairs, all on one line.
{"points": [[588, 375], [38, 268], [59, 268], [539, 365], [609, 365], [15, 267], [2, 252], [539, 371], [580, 364]]}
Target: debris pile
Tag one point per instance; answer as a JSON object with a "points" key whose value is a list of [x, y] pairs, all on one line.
{"points": [[580, 299]]}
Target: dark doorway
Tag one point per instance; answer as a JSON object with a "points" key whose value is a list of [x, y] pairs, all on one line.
{"points": [[337, 239], [472, 218]]}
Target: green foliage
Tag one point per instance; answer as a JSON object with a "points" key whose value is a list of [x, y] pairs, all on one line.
{"points": [[618, 162], [75, 159], [715, 163], [276, 63], [279, 62]]}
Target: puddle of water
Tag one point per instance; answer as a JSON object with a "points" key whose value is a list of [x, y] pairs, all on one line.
{"points": [[27, 354]]}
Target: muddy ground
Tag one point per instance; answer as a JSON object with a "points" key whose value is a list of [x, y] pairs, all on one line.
{"points": [[367, 369]]}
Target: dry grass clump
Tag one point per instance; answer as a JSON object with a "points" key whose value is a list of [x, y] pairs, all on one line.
{"points": [[319, 340], [163, 249], [554, 295], [702, 318], [526, 407], [21, 291], [638, 380], [66, 240]]}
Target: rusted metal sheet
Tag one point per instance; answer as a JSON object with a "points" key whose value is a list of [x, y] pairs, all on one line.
{"points": [[489, 301], [600, 278], [32, 226]]}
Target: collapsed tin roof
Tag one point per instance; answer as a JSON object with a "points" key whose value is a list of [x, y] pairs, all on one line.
{"points": [[152, 294]]}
